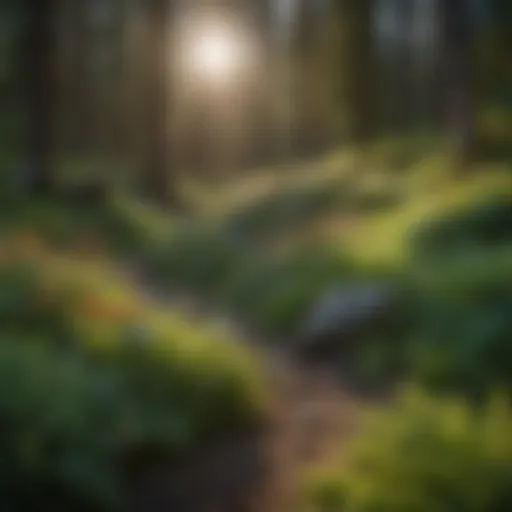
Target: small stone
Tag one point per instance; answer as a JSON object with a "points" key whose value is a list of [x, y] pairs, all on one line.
{"points": [[343, 312]]}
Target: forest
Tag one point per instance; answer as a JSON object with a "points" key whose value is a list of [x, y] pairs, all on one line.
{"points": [[255, 255]]}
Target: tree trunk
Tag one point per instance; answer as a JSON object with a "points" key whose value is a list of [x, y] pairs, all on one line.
{"points": [[83, 106], [404, 70], [308, 133], [357, 69], [156, 177], [119, 135], [460, 100], [38, 76], [497, 67]]}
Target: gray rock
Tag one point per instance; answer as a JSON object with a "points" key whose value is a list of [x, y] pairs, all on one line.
{"points": [[344, 313]]}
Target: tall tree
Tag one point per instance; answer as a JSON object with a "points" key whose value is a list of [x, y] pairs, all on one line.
{"points": [[305, 57], [458, 50], [264, 143], [119, 93], [83, 106], [37, 77], [357, 68], [496, 68], [404, 61], [156, 174]]}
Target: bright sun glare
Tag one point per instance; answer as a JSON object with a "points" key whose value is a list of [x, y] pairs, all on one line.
{"points": [[215, 54], [214, 50]]}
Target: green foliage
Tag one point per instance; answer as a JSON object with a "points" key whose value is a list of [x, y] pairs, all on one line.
{"points": [[62, 429], [462, 269], [273, 291], [447, 250], [119, 225], [389, 237], [227, 262], [171, 384], [294, 207], [487, 223], [286, 208], [400, 154], [495, 127], [74, 426], [278, 293], [199, 259], [463, 327], [21, 307], [423, 454]]}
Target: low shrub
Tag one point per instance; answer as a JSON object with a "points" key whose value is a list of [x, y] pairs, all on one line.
{"points": [[117, 225], [279, 292], [268, 289], [197, 259], [294, 208], [177, 384], [62, 430], [463, 326], [23, 306], [73, 428], [287, 208], [462, 268], [423, 454], [397, 154], [489, 222]]}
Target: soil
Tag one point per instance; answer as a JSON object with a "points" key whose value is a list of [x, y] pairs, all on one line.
{"points": [[311, 418]]}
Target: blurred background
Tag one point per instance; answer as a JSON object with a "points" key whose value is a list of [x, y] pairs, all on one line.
{"points": [[245, 84], [231, 228]]}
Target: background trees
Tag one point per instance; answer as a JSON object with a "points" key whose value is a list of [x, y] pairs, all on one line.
{"points": [[37, 76], [156, 173], [357, 50], [251, 113], [457, 27], [328, 73]]}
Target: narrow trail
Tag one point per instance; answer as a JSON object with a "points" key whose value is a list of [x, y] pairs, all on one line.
{"points": [[310, 418], [313, 417]]}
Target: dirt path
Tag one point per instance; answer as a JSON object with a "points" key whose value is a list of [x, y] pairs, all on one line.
{"points": [[310, 421], [314, 417], [311, 417]]}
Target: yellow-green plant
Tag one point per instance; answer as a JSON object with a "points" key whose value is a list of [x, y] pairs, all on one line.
{"points": [[422, 455]]}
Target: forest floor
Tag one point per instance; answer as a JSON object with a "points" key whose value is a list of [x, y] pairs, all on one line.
{"points": [[311, 416], [313, 412]]}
